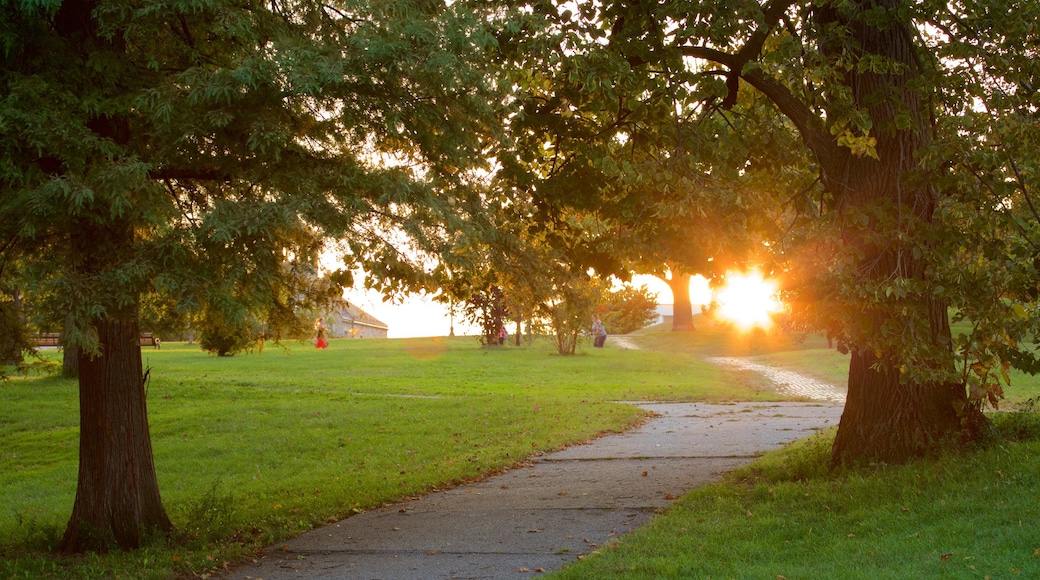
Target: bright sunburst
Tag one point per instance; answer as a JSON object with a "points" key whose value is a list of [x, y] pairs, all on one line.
{"points": [[747, 300]]}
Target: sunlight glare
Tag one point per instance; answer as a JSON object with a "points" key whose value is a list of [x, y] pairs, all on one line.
{"points": [[748, 300]]}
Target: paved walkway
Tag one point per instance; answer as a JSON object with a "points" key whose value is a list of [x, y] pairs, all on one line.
{"points": [[542, 517]]}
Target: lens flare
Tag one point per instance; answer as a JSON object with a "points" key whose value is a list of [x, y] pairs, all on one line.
{"points": [[748, 300]]}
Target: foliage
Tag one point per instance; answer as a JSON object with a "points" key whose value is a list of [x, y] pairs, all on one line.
{"points": [[628, 309], [228, 160], [632, 164], [987, 267], [226, 336], [487, 309], [568, 314]]}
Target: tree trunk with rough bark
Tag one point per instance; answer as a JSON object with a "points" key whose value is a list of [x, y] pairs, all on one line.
{"points": [[117, 492], [888, 416], [682, 307]]}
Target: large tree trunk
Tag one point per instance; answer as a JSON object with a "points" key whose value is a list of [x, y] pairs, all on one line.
{"points": [[117, 493], [890, 416], [886, 420], [682, 308]]}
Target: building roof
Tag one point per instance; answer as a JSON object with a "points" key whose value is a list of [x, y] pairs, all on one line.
{"points": [[355, 315]]}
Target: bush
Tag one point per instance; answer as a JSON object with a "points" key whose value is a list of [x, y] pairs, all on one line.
{"points": [[629, 309], [224, 336]]}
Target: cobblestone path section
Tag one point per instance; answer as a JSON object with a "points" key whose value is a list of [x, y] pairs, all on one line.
{"points": [[788, 382]]}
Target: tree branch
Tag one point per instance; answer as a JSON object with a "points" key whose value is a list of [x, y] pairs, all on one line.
{"points": [[163, 174], [808, 124]]}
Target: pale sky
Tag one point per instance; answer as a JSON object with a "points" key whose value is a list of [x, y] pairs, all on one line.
{"points": [[416, 316]]}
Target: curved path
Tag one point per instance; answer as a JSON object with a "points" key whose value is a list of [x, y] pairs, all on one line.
{"points": [[547, 514], [787, 382]]}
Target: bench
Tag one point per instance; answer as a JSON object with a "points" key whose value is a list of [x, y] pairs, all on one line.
{"points": [[149, 339], [48, 339], [54, 339]]}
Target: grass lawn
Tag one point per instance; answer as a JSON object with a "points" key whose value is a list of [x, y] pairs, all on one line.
{"points": [[257, 448]]}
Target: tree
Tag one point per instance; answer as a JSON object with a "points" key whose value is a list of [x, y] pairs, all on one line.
{"points": [[864, 112], [224, 337], [569, 310], [487, 309], [195, 151], [628, 309], [867, 88]]}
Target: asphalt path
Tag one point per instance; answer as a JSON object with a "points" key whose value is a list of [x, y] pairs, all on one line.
{"points": [[545, 515]]}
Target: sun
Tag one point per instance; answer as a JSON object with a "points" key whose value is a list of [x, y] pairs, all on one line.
{"points": [[747, 300]]}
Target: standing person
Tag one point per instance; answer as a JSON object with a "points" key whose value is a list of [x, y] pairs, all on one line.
{"points": [[319, 332], [599, 332]]}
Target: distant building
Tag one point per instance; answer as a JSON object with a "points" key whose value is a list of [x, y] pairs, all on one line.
{"points": [[346, 320], [665, 313]]}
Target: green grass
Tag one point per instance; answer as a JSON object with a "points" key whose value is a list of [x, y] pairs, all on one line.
{"points": [[967, 514], [254, 449], [257, 448]]}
